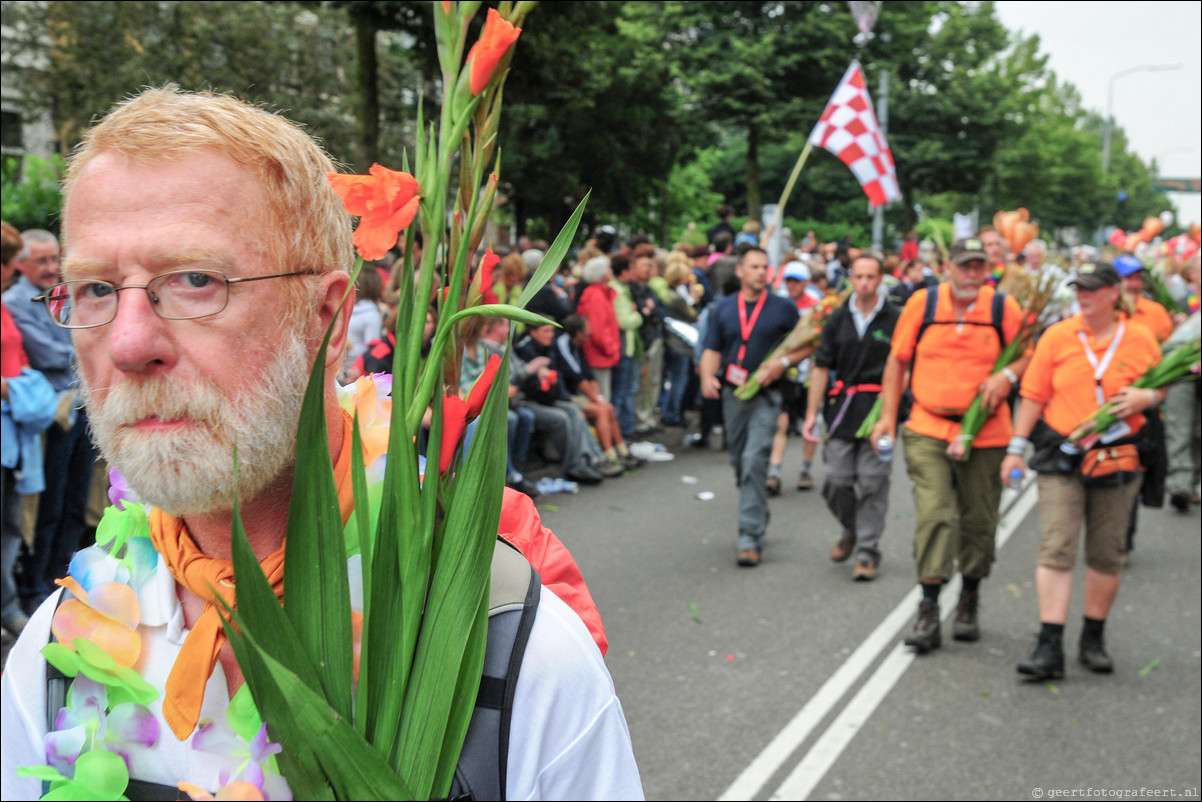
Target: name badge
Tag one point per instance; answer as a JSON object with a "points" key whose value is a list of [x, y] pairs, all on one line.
{"points": [[736, 375], [1118, 430]]}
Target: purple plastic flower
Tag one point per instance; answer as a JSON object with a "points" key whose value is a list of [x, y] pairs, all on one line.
{"points": [[120, 491]]}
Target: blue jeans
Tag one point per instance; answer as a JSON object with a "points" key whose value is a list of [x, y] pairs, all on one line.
{"points": [[677, 367], [61, 508], [750, 427], [520, 428], [625, 388]]}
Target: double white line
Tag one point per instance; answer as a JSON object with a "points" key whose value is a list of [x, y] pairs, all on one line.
{"points": [[826, 750]]}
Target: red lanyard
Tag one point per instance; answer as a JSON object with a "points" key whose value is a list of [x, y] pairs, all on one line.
{"points": [[746, 326]]}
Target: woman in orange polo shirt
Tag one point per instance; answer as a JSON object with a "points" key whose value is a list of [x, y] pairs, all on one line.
{"points": [[1078, 364]]}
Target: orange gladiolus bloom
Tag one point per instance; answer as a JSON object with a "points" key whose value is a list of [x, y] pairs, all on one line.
{"points": [[495, 40], [385, 203]]}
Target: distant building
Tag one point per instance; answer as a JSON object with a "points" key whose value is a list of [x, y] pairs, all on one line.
{"points": [[24, 129]]}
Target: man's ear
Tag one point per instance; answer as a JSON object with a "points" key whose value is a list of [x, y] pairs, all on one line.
{"points": [[335, 301]]}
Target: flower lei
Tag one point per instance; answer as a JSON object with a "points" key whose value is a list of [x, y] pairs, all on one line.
{"points": [[106, 728]]}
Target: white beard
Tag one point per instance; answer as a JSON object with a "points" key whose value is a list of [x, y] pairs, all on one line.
{"points": [[191, 470], [968, 293]]}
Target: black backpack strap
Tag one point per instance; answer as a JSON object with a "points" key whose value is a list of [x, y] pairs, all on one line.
{"points": [[997, 314], [928, 315], [512, 605]]}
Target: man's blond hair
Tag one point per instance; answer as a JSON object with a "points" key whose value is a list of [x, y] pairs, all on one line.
{"points": [[305, 224]]}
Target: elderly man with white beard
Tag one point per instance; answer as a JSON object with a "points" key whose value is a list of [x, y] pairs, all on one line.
{"points": [[949, 337], [206, 257]]}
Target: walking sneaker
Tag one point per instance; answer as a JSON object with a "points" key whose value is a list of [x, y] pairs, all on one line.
{"points": [[1093, 656], [1046, 662], [965, 627], [805, 481], [926, 634], [773, 485]]}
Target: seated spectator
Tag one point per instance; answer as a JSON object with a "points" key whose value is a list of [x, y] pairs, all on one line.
{"points": [[548, 398], [567, 359]]}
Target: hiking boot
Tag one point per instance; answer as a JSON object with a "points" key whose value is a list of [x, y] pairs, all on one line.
{"points": [[926, 634], [748, 558], [805, 481], [864, 571], [1093, 656], [964, 627], [1046, 662], [773, 485], [843, 549]]}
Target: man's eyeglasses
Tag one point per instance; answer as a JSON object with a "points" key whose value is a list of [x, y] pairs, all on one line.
{"points": [[178, 295]]}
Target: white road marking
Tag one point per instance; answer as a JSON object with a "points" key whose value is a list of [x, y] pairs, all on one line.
{"points": [[826, 750]]}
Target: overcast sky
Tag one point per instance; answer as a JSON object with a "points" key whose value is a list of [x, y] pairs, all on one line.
{"points": [[1161, 111]]}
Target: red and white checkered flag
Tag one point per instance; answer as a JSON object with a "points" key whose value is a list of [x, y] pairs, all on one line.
{"points": [[848, 129]]}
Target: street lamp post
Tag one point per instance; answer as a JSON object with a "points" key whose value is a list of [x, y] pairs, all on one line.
{"points": [[1110, 104]]}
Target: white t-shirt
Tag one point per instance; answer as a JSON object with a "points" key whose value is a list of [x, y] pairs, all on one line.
{"points": [[568, 735]]}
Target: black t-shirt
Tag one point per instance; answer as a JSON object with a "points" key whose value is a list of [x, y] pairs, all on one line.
{"points": [[724, 333], [854, 361]]}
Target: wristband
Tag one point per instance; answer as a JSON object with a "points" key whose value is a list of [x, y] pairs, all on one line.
{"points": [[784, 360], [1018, 446], [1011, 375]]}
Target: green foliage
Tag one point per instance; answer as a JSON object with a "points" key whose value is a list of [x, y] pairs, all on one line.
{"points": [[659, 108], [31, 195]]}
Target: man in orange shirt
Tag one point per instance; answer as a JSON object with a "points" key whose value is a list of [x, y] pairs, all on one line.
{"points": [[950, 351], [1148, 313]]}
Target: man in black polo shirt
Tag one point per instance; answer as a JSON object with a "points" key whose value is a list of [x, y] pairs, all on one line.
{"points": [[855, 345], [743, 330]]}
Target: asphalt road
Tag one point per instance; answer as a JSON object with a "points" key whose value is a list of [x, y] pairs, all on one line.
{"points": [[787, 680]]}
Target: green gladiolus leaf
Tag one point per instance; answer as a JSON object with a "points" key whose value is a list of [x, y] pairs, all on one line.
{"points": [[555, 254]]}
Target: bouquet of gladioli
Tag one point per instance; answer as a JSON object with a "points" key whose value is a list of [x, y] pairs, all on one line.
{"points": [[377, 705], [974, 419], [806, 333], [1176, 365]]}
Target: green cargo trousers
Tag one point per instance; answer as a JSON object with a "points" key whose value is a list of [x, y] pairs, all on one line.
{"points": [[955, 507]]}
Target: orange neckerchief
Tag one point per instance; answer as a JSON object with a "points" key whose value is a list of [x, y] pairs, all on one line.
{"points": [[202, 575]]}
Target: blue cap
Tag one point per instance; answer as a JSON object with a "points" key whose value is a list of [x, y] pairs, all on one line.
{"points": [[1127, 264]]}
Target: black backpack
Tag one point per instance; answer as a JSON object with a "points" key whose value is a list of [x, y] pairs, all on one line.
{"points": [[480, 774]]}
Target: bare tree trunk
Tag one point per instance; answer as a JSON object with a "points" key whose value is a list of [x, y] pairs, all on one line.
{"points": [[367, 89], [753, 173]]}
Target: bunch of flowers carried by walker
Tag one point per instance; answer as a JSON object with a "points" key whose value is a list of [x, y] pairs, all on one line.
{"points": [[974, 418], [377, 706], [105, 731], [1178, 364], [806, 333]]}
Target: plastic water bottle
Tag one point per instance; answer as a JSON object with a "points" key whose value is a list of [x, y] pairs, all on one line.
{"points": [[1016, 479], [884, 449], [1066, 462]]}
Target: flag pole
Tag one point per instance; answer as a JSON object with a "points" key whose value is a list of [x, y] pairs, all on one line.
{"points": [[784, 196]]}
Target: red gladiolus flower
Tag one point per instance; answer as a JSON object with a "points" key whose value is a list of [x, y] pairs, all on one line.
{"points": [[490, 261], [475, 399], [457, 413], [454, 421], [385, 203], [495, 40]]}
